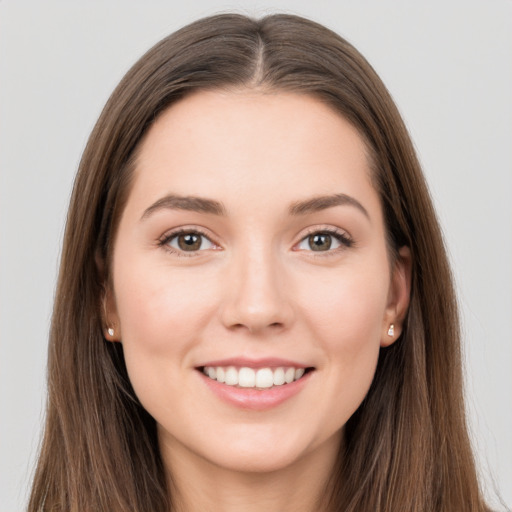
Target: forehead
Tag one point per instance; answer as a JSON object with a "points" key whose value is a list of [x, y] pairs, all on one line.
{"points": [[271, 145]]}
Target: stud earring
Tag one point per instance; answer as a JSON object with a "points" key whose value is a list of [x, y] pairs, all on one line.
{"points": [[110, 331], [391, 330]]}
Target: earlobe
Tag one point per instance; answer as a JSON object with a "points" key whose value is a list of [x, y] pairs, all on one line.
{"points": [[109, 318], [399, 297]]}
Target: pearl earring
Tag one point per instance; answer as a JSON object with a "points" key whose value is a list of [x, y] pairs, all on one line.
{"points": [[110, 331], [391, 330]]}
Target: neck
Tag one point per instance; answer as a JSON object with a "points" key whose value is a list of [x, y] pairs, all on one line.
{"points": [[197, 484]]}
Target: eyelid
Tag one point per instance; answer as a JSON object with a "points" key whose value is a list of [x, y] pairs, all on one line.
{"points": [[163, 241], [343, 237]]}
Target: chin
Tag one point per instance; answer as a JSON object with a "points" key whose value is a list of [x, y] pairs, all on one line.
{"points": [[261, 462], [268, 453]]}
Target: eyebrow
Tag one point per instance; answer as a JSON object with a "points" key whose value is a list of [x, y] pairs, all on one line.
{"points": [[189, 203], [204, 205], [320, 203]]}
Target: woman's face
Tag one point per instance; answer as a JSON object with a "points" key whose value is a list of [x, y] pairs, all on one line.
{"points": [[252, 247]]}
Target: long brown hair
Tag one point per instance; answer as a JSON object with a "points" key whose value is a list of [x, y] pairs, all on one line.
{"points": [[406, 448]]}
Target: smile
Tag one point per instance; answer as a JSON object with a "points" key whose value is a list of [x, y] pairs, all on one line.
{"points": [[255, 384], [262, 378]]}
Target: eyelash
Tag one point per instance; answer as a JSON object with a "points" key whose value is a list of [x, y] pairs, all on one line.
{"points": [[340, 236], [164, 241]]}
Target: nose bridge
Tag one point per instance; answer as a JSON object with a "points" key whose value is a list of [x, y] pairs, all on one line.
{"points": [[256, 292]]}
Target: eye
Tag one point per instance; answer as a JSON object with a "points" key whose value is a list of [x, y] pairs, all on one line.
{"points": [[188, 241], [323, 241]]}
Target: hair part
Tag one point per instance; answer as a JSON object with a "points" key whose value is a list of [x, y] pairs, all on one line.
{"points": [[406, 447]]}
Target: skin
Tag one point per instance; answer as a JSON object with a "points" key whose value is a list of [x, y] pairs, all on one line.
{"points": [[255, 289]]}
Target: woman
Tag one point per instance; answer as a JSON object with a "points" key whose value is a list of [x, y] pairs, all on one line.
{"points": [[254, 307]]}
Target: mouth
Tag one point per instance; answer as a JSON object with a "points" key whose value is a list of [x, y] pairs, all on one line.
{"points": [[265, 378]]}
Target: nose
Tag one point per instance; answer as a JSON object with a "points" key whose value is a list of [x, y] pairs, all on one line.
{"points": [[257, 295]]}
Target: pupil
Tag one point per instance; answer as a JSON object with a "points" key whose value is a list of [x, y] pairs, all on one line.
{"points": [[189, 242], [320, 242]]}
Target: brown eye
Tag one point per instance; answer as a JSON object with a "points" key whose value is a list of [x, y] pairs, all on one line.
{"points": [[320, 242], [189, 242], [324, 241]]}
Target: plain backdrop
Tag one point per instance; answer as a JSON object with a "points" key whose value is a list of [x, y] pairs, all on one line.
{"points": [[448, 65]]}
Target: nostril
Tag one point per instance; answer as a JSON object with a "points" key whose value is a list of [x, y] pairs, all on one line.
{"points": [[255, 327]]}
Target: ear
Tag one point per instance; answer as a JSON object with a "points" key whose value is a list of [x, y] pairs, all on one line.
{"points": [[109, 316], [398, 298]]}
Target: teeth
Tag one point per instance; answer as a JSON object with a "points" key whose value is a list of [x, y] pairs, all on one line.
{"points": [[299, 372], [246, 378], [279, 377], [231, 378], [221, 374], [262, 378], [289, 375]]}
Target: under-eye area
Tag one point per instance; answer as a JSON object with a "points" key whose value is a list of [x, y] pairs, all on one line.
{"points": [[259, 378]]}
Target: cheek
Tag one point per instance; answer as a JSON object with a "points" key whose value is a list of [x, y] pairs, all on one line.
{"points": [[347, 309], [158, 307], [346, 322], [161, 315]]}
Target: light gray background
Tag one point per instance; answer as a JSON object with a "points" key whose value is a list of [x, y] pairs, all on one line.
{"points": [[448, 64]]}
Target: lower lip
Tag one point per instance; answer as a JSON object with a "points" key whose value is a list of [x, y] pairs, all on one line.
{"points": [[256, 399]]}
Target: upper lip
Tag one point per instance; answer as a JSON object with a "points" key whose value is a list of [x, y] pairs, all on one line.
{"points": [[266, 362]]}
